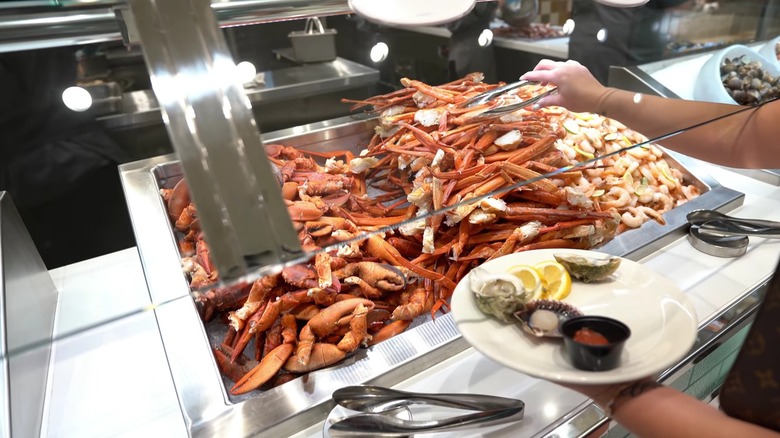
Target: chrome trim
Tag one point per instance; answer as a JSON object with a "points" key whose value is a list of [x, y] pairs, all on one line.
{"points": [[78, 25], [57, 29], [305, 401]]}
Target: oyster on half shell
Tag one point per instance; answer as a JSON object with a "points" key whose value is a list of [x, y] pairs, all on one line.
{"points": [[543, 318], [587, 269], [498, 295]]}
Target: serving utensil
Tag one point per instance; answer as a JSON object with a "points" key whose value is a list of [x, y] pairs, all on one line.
{"points": [[377, 402], [698, 217], [376, 399], [496, 92], [716, 224], [381, 425]]}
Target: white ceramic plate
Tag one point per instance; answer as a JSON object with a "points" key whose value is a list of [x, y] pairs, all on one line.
{"points": [[662, 320], [411, 12], [622, 3]]}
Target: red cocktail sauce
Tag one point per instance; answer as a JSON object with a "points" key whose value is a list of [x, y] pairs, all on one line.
{"points": [[590, 337]]}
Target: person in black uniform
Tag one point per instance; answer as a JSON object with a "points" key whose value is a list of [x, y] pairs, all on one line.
{"points": [[466, 55], [58, 165], [604, 35]]}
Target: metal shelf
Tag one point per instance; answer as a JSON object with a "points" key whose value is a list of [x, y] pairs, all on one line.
{"points": [[142, 108], [81, 22]]}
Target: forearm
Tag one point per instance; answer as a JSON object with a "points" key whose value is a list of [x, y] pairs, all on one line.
{"points": [[739, 140], [666, 413]]}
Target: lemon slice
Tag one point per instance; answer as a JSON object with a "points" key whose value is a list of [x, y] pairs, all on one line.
{"points": [[571, 126], [532, 281], [585, 154], [557, 282]]}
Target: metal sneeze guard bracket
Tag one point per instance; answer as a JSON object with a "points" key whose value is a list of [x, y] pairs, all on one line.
{"points": [[209, 120], [28, 303]]}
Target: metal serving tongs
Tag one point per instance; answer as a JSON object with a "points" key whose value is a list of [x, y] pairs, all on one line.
{"points": [[496, 92], [715, 224], [376, 402]]}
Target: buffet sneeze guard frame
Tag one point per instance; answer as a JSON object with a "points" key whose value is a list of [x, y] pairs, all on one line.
{"points": [[28, 302], [209, 120]]}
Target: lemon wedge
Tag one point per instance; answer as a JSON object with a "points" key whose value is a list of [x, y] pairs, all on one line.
{"points": [[532, 281], [556, 280]]}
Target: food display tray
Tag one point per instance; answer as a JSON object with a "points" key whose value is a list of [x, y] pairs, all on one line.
{"points": [[206, 406]]}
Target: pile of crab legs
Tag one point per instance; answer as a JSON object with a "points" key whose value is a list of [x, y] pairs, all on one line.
{"points": [[428, 155]]}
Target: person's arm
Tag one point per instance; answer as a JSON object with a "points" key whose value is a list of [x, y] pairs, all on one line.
{"points": [[648, 409], [746, 139]]}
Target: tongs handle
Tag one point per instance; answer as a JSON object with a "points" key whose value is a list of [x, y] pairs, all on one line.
{"points": [[492, 94], [379, 399], [698, 217], [517, 106], [381, 425], [722, 228]]}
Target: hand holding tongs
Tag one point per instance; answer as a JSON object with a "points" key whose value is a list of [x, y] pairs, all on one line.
{"points": [[496, 92], [716, 224], [375, 401]]}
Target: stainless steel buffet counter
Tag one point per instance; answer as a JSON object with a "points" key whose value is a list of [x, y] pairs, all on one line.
{"points": [[114, 380]]}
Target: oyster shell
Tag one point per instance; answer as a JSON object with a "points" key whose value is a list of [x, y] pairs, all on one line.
{"points": [[498, 295], [543, 318], [587, 269]]}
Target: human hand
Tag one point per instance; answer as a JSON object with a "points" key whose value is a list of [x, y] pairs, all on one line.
{"points": [[578, 90]]}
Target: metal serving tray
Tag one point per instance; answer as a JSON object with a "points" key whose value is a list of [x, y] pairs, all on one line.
{"points": [[206, 406]]}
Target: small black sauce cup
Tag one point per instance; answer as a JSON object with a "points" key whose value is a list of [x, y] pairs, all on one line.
{"points": [[595, 357]]}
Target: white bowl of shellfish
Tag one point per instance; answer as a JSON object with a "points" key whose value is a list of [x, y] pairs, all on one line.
{"points": [[771, 51], [710, 84]]}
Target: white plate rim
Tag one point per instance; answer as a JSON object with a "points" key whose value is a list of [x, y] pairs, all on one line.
{"points": [[409, 13], [622, 3], [463, 308]]}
